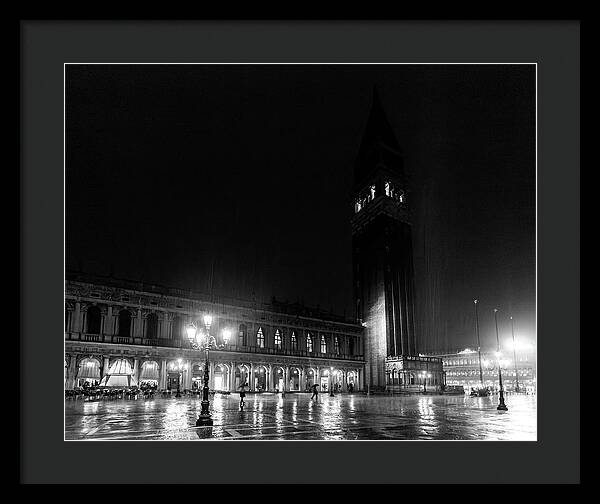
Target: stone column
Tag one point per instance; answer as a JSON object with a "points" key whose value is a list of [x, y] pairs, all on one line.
{"points": [[162, 383], [286, 379], [72, 372], [108, 322], [187, 384], [251, 377], [318, 377], [139, 326], [211, 371], [105, 367], [84, 320], [232, 377], [136, 370], [76, 323], [344, 380]]}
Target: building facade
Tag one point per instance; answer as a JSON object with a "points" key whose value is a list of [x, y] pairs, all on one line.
{"points": [[383, 263], [138, 333], [462, 368]]}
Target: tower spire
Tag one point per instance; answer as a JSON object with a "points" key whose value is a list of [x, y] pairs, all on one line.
{"points": [[379, 146]]}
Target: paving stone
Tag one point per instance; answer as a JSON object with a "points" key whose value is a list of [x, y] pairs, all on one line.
{"points": [[297, 417]]}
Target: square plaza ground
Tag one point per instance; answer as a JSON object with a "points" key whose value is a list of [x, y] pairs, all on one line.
{"points": [[297, 417]]}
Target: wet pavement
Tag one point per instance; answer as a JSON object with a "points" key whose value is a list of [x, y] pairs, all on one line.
{"points": [[297, 417]]}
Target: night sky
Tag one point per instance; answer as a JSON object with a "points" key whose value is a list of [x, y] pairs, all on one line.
{"points": [[246, 171]]}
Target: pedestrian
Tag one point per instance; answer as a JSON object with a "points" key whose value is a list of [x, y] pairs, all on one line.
{"points": [[315, 392], [242, 388]]}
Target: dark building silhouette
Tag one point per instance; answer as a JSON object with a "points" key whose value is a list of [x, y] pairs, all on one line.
{"points": [[382, 254]]}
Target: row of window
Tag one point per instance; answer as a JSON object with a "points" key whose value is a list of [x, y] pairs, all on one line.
{"points": [[475, 362], [390, 191], [522, 372], [278, 341], [93, 322]]}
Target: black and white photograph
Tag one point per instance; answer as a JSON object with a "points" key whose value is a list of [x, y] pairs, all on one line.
{"points": [[293, 252]]}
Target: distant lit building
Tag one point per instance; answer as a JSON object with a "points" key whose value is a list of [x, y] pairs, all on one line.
{"points": [[462, 368]]}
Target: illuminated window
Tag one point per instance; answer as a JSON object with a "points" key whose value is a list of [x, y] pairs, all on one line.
{"points": [[277, 339], [323, 344], [309, 343], [294, 341], [359, 204], [391, 191], [372, 193], [260, 338], [336, 342]]}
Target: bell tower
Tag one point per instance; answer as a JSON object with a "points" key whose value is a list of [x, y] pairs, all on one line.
{"points": [[382, 248]]}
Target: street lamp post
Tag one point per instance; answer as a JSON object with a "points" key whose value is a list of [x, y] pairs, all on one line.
{"points": [[204, 342], [512, 325], [501, 405]]}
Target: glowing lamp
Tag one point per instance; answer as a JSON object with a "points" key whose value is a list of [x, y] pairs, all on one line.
{"points": [[226, 335], [191, 332]]}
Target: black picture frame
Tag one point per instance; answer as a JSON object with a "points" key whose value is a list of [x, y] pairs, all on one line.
{"points": [[553, 45]]}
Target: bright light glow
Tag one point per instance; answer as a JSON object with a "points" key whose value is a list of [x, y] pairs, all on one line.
{"points": [[207, 320], [226, 334], [191, 332], [519, 346], [498, 354], [467, 351]]}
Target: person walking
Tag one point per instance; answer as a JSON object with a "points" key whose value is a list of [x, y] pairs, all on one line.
{"points": [[242, 388], [315, 392]]}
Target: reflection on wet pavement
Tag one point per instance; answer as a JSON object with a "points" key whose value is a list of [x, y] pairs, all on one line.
{"points": [[297, 417]]}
